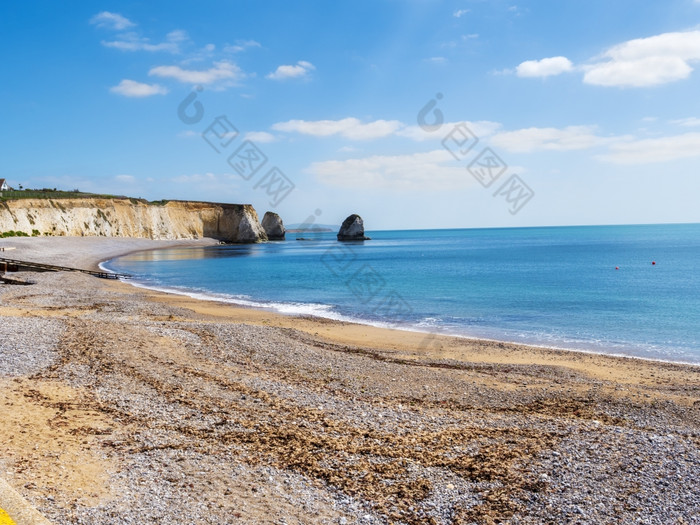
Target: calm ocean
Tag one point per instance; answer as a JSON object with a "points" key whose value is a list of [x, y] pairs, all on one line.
{"points": [[556, 287]]}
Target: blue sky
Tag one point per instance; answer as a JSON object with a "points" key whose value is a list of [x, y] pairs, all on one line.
{"points": [[592, 107]]}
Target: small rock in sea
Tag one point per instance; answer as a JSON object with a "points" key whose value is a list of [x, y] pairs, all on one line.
{"points": [[273, 226], [352, 229]]}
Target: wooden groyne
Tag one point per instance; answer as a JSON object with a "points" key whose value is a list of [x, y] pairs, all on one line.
{"points": [[13, 265]]}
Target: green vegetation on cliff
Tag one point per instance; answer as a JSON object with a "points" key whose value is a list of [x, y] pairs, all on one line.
{"points": [[53, 193]]}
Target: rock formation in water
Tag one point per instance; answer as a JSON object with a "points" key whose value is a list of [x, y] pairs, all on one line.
{"points": [[352, 229], [123, 217], [273, 226]]}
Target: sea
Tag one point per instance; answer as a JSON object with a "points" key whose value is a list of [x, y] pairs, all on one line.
{"points": [[625, 290]]}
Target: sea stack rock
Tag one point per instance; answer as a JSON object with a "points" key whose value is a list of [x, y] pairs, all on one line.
{"points": [[353, 229], [273, 226]]}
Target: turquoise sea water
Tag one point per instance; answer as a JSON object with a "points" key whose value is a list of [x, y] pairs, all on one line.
{"points": [[549, 286]]}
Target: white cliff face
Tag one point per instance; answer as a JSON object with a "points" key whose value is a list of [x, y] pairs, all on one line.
{"points": [[273, 226], [132, 218]]}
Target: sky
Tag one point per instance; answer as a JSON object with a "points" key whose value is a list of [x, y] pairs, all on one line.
{"points": [[413, 113]]}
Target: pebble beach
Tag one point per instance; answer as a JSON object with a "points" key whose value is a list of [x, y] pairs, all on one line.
{"points": [[125, 405]]}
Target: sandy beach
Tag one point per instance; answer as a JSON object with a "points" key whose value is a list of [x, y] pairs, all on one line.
{"points": [[125, 405]]}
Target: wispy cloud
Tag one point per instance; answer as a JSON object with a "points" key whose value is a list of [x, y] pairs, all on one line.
{"points": [[133, 42], [460, 13], [198, 177], [207, 183], [429, 171], [299, 70], [651, 61], [349, 128], [113, 21], [131, 88], [223, 71], [481, 129], [240, 46], [260, 136], [461, 41], [354, 129], [690, 122], [663, 149], [544, 68], [548, 139], [191, 134]]}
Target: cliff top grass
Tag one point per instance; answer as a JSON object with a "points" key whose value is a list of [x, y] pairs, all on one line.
{"points": [[53, 193]]}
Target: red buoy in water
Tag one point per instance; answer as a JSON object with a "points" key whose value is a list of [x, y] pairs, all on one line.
{"points": [[617, 267], [653, 263]]}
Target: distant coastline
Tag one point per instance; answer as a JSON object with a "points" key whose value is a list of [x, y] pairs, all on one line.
{"points": [[308, 230]]}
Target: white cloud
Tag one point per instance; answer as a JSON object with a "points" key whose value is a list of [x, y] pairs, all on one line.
{"points": [[133, 42], [437, 60], [354, 129], [550, 139], [222, 71], [651, 61], [301, 69], [111, 21], [260, 136], [544, 68], [460, 13], [241, 45], [690, 122], [126, 179], [434, 170], [350, 128], [481, 128], [131, 88], [638, 73], [662, 149]]}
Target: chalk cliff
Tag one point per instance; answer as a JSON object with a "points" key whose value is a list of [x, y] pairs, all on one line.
{"points": [[121, 217]]}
